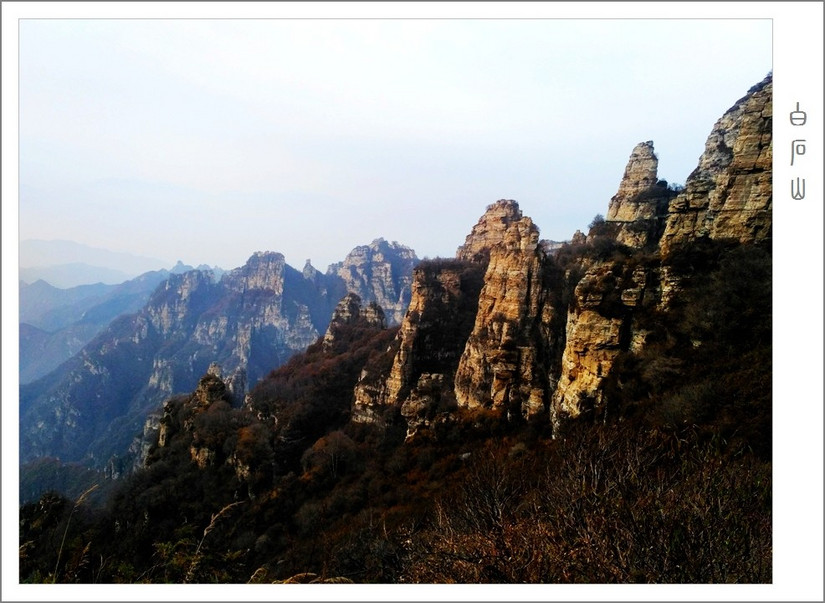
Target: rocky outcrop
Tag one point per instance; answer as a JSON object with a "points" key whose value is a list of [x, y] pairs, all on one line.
{"points": [[526, 352], [425, 406], [489, 231], [600, 326], [477, 332], [636, 211], [640, 174], [430, 339], [729, 195], [350, 312], [503, 362], [379, 272]]}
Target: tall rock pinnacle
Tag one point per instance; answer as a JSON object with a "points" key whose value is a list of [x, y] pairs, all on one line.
{"points": [[639, 176], [636, 211]]}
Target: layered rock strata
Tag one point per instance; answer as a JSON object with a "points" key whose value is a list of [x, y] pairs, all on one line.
{"points": [[729, 195], [503, 362]]}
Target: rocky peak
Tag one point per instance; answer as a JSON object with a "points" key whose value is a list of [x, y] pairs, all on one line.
{"points": [[491, 230], [309, 272], [211, 389], [639, 175], [500, 365], [263, 271], [379, 272], [235, 383], [180, 268], [636, 211]]}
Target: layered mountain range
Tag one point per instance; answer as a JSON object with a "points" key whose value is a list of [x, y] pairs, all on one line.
{"points": [[56, 323], [511, 324], [533, 332], [248, 321], [595, 411]]}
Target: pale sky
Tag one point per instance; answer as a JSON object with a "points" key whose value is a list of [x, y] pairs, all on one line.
{"points": [[208, 140]]}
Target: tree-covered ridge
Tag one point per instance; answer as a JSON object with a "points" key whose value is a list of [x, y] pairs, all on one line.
{"points": [[671, 484]]}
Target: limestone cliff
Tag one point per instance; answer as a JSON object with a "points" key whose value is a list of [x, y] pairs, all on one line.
{"points": [[504, 360], [729, 195]]}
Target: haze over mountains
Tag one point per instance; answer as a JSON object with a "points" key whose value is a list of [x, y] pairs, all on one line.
{"points": [[66, 264], [248, 320], [598, 411]]}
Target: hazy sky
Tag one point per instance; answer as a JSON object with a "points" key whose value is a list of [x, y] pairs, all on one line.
{"points": [[208, 140]]}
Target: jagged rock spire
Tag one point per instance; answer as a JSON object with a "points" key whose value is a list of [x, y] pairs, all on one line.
{"points": [[490, 230], [639, 175]]}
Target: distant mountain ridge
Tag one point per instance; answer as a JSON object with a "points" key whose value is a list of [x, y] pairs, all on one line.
{"points": [[56, 323], [39, 252], [249, 321]]}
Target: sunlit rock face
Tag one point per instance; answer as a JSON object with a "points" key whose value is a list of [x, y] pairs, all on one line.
{"points": [[729, 195], [503, 363], [528, 353], [601, 324], [490, 230], [637, 210]]}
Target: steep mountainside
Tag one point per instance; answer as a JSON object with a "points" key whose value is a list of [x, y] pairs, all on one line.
{"points": [[250, 321]]}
